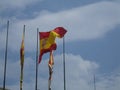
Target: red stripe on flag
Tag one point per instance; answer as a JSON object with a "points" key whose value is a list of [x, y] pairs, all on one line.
{"points": [[53, 47], [60, 30], [44, 35]]}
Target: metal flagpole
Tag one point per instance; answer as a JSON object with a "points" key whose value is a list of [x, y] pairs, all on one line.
{"points": [[36, 61], [4, 81], [94, 83], [21, 81], [64, 62]]}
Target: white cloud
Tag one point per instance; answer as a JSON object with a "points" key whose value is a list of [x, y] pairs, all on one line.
{"points": [[86, 22], [108, 82], [13, 73], [78, 70], [83, 23], [79, 75]]}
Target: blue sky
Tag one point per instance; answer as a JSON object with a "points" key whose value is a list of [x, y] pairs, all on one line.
{"points": [[92, 42]]}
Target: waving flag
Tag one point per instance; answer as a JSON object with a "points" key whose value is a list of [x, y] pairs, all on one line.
{"points": [[47, 44], [47, 40]]}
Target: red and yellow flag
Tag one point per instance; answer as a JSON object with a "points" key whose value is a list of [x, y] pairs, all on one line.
{"points": [[47, 40], [22, 50], [22, 58]]}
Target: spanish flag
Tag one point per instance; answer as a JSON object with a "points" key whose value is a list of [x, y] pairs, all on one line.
{"points": [[47, 40]]}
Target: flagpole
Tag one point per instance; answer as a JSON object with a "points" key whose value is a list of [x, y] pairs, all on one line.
{"points": [[4, 81], [21, 81], [36, 61], [64, 62], [22, 64], [94, 83]]}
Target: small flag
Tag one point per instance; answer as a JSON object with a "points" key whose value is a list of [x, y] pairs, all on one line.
{"points": [[22, 51], [22, 58], [47, 40]]}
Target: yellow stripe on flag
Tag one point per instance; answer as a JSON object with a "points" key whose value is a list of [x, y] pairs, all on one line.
{"points": [[47, 40]]}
